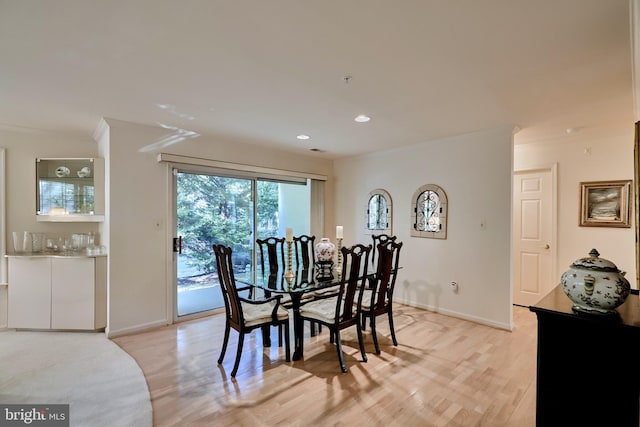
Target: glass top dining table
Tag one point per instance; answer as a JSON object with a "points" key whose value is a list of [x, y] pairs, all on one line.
{"points": [[302, 282]]}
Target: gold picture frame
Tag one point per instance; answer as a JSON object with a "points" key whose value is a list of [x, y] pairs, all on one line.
{"points": [[605, 203]]}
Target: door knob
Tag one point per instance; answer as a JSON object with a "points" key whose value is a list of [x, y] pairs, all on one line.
{"points": [[547, 246]]}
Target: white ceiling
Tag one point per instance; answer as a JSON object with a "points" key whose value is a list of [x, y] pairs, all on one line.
{"points": [[265, 71]]}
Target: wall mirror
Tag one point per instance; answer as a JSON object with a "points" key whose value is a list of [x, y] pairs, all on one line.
{"points": [[70, 190], [378, 212]]}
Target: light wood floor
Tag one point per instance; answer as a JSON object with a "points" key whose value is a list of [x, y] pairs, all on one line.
{"points": [[445, 372]]}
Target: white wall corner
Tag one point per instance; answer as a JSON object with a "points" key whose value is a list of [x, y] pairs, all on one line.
{"points": [[101, 131]]}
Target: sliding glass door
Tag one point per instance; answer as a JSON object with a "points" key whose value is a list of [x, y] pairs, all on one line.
{"points": [[210, 210], [234, 211]]}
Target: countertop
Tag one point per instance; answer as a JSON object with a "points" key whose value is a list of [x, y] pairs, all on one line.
{"points": [[53, 255]]}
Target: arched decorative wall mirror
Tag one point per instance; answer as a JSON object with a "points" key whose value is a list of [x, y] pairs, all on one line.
{"points": [[429, 212], [378, 212]]}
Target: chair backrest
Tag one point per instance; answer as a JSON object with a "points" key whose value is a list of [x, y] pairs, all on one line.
{"points": [[380, 239], [271, 248], [353, 280], [386, 273], [304, 250], [228, 284]]}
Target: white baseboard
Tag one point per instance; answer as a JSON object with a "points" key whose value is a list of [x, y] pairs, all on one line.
{"points": [[111, 333], [463, 316]]}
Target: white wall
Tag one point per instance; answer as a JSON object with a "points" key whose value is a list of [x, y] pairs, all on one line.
{"points": [[470, 169], [590, 155], [22, 149], [475, 172], [138, 214], [137, 205]]}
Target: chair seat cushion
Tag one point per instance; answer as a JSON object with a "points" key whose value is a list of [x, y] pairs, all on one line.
{"points": [[326, 291], [366, 299], [256, 314], [288, 304], [322, 309]]}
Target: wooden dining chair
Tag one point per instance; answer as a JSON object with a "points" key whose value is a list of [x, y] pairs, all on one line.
{"points": [[378, 299], [273, 263], [340, 311], [271, 251], [304, 249], [304, 246], [378, 239], [245, 315]]}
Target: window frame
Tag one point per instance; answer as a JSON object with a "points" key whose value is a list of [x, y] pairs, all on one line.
{"points": [[441, 215], [389, 227]]}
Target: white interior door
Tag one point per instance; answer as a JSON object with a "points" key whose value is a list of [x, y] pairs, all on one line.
{"points": [[533, 233]]}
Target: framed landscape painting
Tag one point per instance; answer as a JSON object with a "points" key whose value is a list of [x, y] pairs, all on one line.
{"points": [[605, 203]]}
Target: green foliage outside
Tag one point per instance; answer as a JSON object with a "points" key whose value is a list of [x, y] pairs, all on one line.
{"points": [[219, 210]]}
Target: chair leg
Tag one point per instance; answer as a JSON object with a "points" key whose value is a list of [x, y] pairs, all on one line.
{"points": [[287, 344], [374, 333], [393, 332], [266, 336], [280, 335], [312, 328], [315, 328], [225, 341], [340, 355], [364, 323], [361, 342], [238, 354]]}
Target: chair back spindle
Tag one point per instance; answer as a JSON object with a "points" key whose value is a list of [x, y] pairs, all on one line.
{"points": [[227, 281], [304, 251], [353, 280], [386, 272], [379, 239], [271, 248]]}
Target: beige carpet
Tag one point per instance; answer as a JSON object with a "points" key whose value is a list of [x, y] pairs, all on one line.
{"points": [[102, 384]]}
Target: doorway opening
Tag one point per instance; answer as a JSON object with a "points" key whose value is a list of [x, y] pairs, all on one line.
{"points": [[534, 234]]}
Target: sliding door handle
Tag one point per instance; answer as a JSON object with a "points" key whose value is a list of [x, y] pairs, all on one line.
{"points": [[177, 244]]}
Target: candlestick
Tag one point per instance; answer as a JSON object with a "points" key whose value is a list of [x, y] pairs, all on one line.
{"points": [[339, 266], [339, 232], [289, 274], [289, 234]]}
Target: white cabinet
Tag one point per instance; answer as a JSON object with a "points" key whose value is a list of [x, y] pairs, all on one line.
{"points": [[64, 293], [29, 293]]}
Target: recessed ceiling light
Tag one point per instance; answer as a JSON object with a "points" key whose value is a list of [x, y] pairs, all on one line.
{"points": [[362, 118], [303, 136]]}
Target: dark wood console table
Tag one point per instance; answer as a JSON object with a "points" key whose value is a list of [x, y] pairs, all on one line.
{"points": [[588, 365]]}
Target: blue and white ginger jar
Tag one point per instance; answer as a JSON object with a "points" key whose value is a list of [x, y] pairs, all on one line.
{"points": [[595, 285]]}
